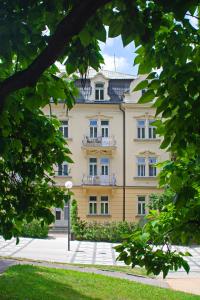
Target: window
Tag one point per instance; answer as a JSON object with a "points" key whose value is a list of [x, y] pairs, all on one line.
{"points": [[141, 129], [58, 215], [145, 129], [152, 167], [99, 91], [93, 128], [104, 205], [141, 166], [63, 169], [64, 129], [141, 206], [104, 166], [152, 130], [104, 128], [92, 205], [93, 166], [146, 163]]}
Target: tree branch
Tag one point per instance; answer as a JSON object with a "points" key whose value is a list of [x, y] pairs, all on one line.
{"points": [[70, 26]]}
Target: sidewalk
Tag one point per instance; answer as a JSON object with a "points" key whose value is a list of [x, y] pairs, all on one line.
{"points": [[187, 285], [54, 249]]}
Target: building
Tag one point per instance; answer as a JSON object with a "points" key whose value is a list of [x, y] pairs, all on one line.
{"points": [[114, 148]]}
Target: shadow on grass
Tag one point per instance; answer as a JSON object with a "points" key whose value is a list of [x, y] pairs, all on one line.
{"points": [[32, 283]]}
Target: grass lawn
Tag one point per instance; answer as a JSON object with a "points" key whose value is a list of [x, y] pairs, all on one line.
{"points": [[122, 269], [25, 282]]}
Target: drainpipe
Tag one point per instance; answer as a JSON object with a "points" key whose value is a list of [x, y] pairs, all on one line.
{"points": [[124, 163]]}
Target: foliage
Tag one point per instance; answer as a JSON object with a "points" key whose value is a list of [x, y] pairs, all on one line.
{"points": [[74, 216], [158, 201], [150, 246], [30, 143], [107, 231], [18, 281], [34, 230]]}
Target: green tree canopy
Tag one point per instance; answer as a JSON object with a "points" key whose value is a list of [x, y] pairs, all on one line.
{"points": [[33, 35]]}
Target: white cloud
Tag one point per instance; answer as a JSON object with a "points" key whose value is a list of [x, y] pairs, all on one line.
{"points": [[117, 63]]}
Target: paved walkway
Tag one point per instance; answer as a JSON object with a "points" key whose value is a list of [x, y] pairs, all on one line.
{"points": [[54, 249]]}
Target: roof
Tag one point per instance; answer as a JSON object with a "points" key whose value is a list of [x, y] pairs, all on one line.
{"points": [[109, 74], [91, 73]]}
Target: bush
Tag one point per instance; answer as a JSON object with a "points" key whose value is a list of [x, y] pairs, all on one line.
{"points": [[107, 232], [94, 231], [35, 230]]}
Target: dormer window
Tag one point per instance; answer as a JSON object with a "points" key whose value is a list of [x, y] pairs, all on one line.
{"points": [[99, 91]]}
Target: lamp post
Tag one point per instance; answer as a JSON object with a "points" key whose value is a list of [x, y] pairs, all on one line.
{"points": [[69, 185]]}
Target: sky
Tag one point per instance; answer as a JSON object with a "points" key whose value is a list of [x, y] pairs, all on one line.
{"points": [[116, 57], [120, 59]]}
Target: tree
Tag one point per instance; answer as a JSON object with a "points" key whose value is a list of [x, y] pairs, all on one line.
{"points": [[165, 40], [158, 201]]}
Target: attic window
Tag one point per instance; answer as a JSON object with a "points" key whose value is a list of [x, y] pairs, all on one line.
{"points": [[99, 91]]}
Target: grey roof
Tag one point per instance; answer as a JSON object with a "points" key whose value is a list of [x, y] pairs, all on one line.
{"points": [[108, 74]]}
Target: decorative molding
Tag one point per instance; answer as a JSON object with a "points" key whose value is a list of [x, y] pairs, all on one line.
{"points": [[99, 77], [99, 116], [145, 116], [146, 153], [154, 178], [147, 140]]}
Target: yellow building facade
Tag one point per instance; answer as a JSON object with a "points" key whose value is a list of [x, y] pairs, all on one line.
{"points": [[114, 148]]}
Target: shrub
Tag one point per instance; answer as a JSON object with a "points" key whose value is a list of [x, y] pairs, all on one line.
{"points": [[35, 230], [94, 231], [108, 232]]}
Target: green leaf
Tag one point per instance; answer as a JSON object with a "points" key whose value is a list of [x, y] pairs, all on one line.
{"points": [[141, 85], [101, 34], [175, 182], [85, 37], [147, 97], [186, 266]]}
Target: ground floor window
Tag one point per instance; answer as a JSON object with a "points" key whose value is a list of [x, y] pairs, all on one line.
{"points": [[104, 205], [58, 215], [92, 205], [98, 205], [141, 205]]}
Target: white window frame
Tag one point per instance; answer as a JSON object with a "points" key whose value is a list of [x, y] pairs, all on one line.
{"points": [[64, 128], [151, 166], [104, 128], [141, 167], [92, 205], [61, 169], [146, 131], [104, 165], [141, 205], [141, 129], [93, 164], [151, 130], [99, 91], [104, 205], [93, 128]]}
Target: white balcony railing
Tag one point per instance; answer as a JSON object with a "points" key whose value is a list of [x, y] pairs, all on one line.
{"points": [[99, 142], [99, 180]]}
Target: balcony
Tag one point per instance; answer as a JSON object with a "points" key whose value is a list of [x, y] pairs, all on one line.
{"points": [[99, 144], [100, 180]]}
